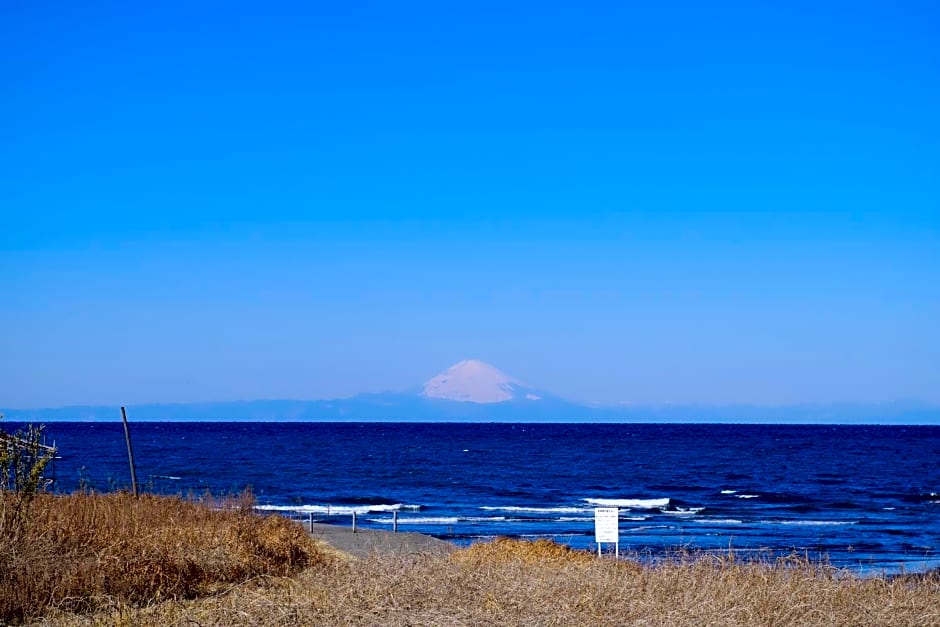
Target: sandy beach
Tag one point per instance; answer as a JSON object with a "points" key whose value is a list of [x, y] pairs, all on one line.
{"points": [[366, 542]]}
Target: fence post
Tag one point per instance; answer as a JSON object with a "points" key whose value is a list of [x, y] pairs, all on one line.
{"points": [[354, 521], [130, 452], [395, 522]]}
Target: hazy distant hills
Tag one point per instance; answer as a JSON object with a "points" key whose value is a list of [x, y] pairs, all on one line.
{"points": [[474, 391]]}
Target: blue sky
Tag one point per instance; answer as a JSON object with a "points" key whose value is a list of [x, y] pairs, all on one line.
{"points": [[674, 202]]}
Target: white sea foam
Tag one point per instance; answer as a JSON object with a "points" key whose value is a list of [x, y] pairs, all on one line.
{"points": [[806, 523], [537, 510], [338, 510], [439, 520], [421, 520], [683, 511], [729, 491], [314, 509], [590, 519], [748, 496], [397, 507], [630, 503], [718, 521]]}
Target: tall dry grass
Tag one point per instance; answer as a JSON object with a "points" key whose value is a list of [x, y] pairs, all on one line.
{"points": [[82, 552], [519, 583]]}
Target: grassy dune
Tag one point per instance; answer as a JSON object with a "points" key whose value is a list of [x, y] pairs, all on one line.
{"points": [[162, 561], [85, 552]]}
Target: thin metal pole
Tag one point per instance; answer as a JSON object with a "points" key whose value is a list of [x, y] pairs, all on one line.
{"points": [[130, 451], [395, 522]]}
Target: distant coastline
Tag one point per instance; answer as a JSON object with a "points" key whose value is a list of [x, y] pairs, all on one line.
{"points": [[413, 408], [475, 391]]}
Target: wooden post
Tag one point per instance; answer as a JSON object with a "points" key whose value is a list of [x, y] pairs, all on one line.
{"points": [[395, 522], [354, 521], [310, 520], [130, 451]]}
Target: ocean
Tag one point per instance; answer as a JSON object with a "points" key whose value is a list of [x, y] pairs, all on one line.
{"points": [[861, 497]]}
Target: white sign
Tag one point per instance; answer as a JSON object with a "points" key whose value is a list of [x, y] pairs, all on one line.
{"points": [[607, 525]]}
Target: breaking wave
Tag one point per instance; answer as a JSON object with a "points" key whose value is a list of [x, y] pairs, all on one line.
{"points": [[339, 510], [800, 523], [537, 510], [440, 520], [630, 503], [683, 511]]}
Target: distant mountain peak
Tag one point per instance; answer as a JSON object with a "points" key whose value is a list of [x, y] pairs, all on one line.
{"points": [[475, 381]]}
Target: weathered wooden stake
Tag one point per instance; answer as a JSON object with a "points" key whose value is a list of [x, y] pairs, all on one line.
{"points": [[130, 451], [354, 521], [395, 522]]}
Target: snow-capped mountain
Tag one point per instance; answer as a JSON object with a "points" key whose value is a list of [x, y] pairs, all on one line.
{"points": [[474, 381]]}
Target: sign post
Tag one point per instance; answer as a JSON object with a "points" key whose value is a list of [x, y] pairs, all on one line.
{"points": [[607, 527]]}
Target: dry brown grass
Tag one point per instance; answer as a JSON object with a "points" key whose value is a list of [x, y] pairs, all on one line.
{"points": [[508, 551], [83, 552], [518, 583]]}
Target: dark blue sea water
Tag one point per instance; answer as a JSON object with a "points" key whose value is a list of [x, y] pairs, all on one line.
{"points": [[864, 497]]}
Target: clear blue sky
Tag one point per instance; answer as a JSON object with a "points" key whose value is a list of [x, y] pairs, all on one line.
{"points": [[716, 202]]}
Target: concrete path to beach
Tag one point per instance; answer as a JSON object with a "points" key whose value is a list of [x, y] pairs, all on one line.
{"points": [[365, 542]]}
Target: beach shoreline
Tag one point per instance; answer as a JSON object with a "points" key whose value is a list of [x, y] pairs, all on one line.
{"points": [[363, 543]]}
